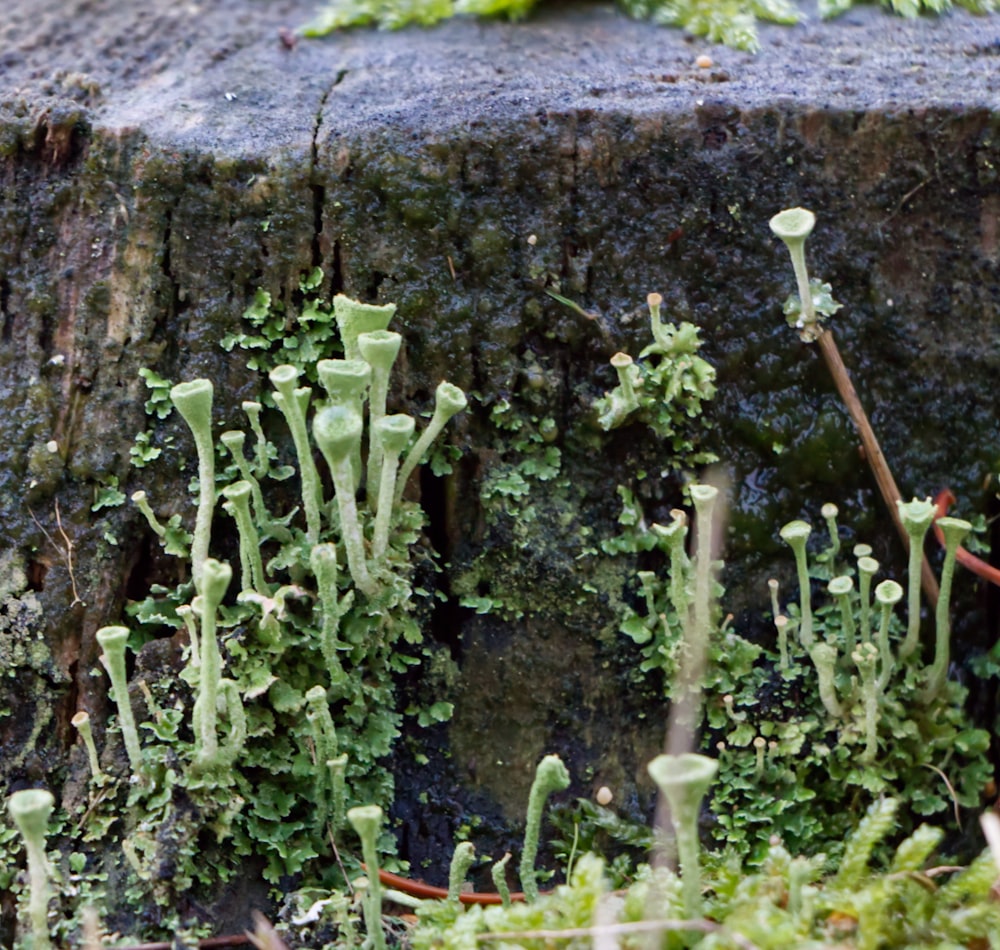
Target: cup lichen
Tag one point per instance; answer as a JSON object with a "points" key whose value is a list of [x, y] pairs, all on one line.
{"points": [[30, 810]]}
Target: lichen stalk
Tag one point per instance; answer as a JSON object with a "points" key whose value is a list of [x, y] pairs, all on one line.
{"points": [[337, 769], [499, 875], [760, 747], [704, 498], [186, 613], [293, 403], [234, 440], [193, 400], [217, 576], [656, 325], [30, 809], [448, 401], [461, 860], [675, 534], [391, 434], [865, 658], [366, 820], [794, 226], [347, 383], [772, 588], [251, 566], [824, 657], [141, 501], [324, 736], [550, 776], [337, 432], [887, 595], [379, 349], [81, 721], [841, 588], [684, 780], [624, 367], [955, 530], [323, 560], [796, 534], [829, 514], [113, 641], [916, 516], [867, 569], [781, 625], [253, 410]]}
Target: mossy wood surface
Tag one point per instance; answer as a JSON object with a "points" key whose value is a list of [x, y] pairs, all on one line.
{"points": [[160, 161]]}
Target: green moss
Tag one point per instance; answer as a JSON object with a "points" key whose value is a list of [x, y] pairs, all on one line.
{"points": [[21, 620], [733, 22]]}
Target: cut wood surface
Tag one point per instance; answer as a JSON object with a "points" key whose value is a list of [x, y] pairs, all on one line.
{"points": [[161, 160]]}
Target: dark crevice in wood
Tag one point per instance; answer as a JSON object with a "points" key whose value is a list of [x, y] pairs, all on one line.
{"points": [[316, 186], [6, 321]]}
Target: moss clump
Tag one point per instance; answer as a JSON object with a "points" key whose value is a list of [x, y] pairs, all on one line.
{"points": [[733, 22]]}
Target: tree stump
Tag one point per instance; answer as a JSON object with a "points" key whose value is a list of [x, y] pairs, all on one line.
{"points": [[162, 162]]}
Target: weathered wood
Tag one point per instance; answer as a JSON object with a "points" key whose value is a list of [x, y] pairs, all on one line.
{"points": [[160, 161]]}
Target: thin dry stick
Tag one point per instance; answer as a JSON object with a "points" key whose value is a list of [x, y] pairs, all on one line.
{"points": [[632, 927], [951, 791], [340, 864], [66, 550], [876, 460]]}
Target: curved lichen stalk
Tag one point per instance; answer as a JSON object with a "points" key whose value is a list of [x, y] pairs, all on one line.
{"points": [[237, 504], [293, 403], [448, 401], [391, 434], [550, 776], [208, 754], [193, 400]]}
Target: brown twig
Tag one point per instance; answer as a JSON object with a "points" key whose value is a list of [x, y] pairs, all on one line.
{"points": [[873, 452], [424, 891]]}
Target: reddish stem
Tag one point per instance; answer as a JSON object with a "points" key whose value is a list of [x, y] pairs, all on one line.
{"points": [[968, 560], [429, 892]]}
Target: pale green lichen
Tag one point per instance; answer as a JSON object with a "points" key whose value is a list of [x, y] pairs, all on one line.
{"points": [[31, 809], [21, 620]]}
